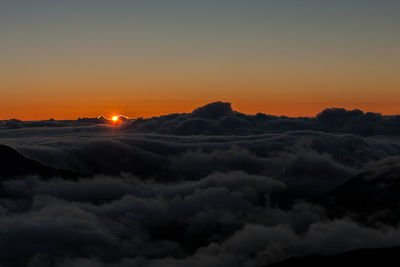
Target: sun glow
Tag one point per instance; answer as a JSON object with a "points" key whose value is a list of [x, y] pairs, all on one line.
{"points": [[115, 118]]}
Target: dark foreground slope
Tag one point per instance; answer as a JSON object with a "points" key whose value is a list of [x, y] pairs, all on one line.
{"points": [[13, 164], [360, 257], [374, 192]]}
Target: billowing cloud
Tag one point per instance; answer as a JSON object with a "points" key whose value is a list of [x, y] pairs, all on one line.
{"points": [[209, 188], [219, 118], [221, 220]]}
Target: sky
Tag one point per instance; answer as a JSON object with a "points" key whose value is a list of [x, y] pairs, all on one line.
{"points": [[70, 59]]}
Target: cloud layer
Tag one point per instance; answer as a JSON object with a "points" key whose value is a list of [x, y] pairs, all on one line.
{"points": [[142, 198], [219, 118]]}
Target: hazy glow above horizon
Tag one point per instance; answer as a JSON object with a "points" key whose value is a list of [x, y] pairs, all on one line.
{"points": [[68, 59]]}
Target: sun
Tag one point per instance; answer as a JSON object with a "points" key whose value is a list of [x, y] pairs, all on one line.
{"points": [[115, 118]]}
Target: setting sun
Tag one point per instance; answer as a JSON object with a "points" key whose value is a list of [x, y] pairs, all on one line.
{"points": [[115, 118]]}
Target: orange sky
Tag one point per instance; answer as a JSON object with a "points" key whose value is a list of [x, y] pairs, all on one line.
{"points": [[67, 59], [251, 86]]}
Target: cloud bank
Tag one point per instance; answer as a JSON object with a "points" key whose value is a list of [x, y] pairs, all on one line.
{"points": [[152, 192], [218, 118]]}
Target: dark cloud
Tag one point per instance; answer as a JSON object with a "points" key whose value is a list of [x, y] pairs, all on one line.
{"points": [[220, 220], [209, 188], [219, 118], [213, 110]]}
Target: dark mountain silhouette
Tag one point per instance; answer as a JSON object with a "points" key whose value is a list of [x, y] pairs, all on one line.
{"points": [[374, 191], [14, 164], [360, 257], [213, 110]]}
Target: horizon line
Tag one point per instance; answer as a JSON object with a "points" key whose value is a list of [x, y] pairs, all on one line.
{"points": [[108, 117]]}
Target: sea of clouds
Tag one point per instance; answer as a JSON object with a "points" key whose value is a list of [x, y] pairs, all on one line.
{"points": [[209, 188]]}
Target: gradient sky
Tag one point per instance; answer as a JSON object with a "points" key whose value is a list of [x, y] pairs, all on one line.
{"points": [[69, 59]]}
